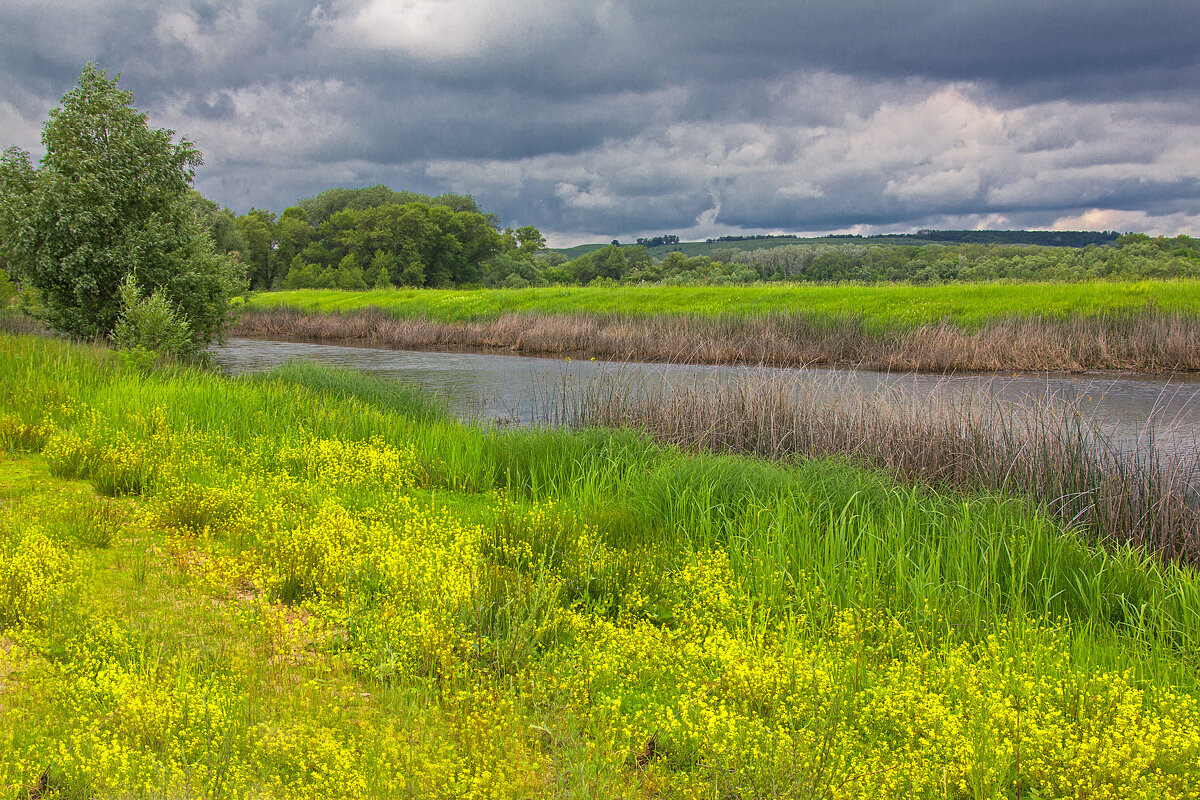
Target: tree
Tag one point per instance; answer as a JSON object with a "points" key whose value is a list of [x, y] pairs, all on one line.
{"points": [[529, 241], [111, 198], [259, 230], [292, 234], [221, 224]]}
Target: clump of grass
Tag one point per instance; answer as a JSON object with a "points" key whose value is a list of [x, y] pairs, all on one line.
{"points": [[1045, 451], [384, 395], [95, 522]]}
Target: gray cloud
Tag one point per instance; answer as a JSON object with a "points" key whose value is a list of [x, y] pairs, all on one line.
{"points": [[622, 118]]}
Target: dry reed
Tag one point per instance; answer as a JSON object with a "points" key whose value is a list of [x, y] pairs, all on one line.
{"points": [[1150, 341]]}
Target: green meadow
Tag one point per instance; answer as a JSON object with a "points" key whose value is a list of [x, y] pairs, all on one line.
{"points": [[316, 584], [968, 303]]}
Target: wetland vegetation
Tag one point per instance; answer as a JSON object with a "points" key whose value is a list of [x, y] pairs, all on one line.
{"points": [[1147, 326], [313, 584]]}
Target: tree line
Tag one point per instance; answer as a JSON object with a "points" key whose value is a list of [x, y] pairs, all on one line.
{"points": [[374, 237], [1043, 238], [1131, 257]]}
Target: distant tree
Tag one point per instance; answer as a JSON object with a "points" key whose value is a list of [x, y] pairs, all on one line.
{"points": [[350, 274], [379, 274], [610, 263], [529, 240], [221, 224], [258, 229], [300, 275], [112, 197], [329, 202], [292, 234]]}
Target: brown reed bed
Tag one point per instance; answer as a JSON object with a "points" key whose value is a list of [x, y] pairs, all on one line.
{"points": [[1150, 341], [19, 323], [1123, 493]]}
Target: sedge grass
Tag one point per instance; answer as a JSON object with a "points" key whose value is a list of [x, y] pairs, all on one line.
{"points": [[1046, 451]]}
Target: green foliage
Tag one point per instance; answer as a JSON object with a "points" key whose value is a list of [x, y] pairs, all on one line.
{"points": [[112, 197], [1134, 258], [612, 263], [7, 289], [221, 224], [151, 323], [414, 243], [257, 229], [331, 201], [350, 274], [379, 275]]}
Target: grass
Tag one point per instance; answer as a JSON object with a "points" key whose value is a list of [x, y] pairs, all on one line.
{"points": [[1045, 451], [323, 588], [964, 304]]}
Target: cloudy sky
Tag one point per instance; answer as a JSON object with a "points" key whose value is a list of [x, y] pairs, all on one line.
{"points": [[595, 119]]}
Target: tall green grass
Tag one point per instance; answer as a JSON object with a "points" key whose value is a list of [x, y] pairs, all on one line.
{"points": [[1009, 327], [813, 536], [1045, 451], [966, 304]]}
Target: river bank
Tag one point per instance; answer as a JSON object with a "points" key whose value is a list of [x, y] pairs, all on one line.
{"points": [[381, 601], [1116, 457], [1150, 341]]}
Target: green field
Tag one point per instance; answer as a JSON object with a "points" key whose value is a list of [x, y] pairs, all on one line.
{"points": [[904, 304], [313, 584]]}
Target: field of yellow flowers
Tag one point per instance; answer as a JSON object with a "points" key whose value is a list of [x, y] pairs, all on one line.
{"points": [[314, 584]]}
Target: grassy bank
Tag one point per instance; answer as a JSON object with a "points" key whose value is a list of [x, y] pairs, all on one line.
{"points": [[964, 304], [310, 585], [1046, 451]]}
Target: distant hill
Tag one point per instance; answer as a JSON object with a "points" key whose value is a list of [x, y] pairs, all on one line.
{"points": [[705, 248], [1043, 238]]}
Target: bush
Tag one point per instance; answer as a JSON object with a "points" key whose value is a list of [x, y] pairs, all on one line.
{"points": [[152, 323]]}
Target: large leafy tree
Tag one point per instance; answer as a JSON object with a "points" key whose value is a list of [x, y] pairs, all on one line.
{"points": [[111, 198]]}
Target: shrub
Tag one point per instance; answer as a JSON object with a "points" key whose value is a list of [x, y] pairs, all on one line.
{"points": [[151, 323]]}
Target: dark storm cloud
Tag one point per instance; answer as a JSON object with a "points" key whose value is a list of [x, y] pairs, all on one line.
{"points": [[621, 118], [1006, 41]]}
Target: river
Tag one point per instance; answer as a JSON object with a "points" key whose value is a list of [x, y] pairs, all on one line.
{"points": [[489, 387]]}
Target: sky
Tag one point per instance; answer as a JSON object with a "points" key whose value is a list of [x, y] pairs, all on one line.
{"points": [[603, 119]]}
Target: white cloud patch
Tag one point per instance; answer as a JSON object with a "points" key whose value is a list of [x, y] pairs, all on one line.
{"points": [[593, 199], [1112, 219], [433, 30], [19, 129], [273, 130]]}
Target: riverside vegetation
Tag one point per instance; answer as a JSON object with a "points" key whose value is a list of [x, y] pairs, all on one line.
{"points": [[313, 584], [1148, 325]]}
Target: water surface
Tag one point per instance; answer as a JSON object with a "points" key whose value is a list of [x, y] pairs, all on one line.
{"points": [[514, 389]]}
